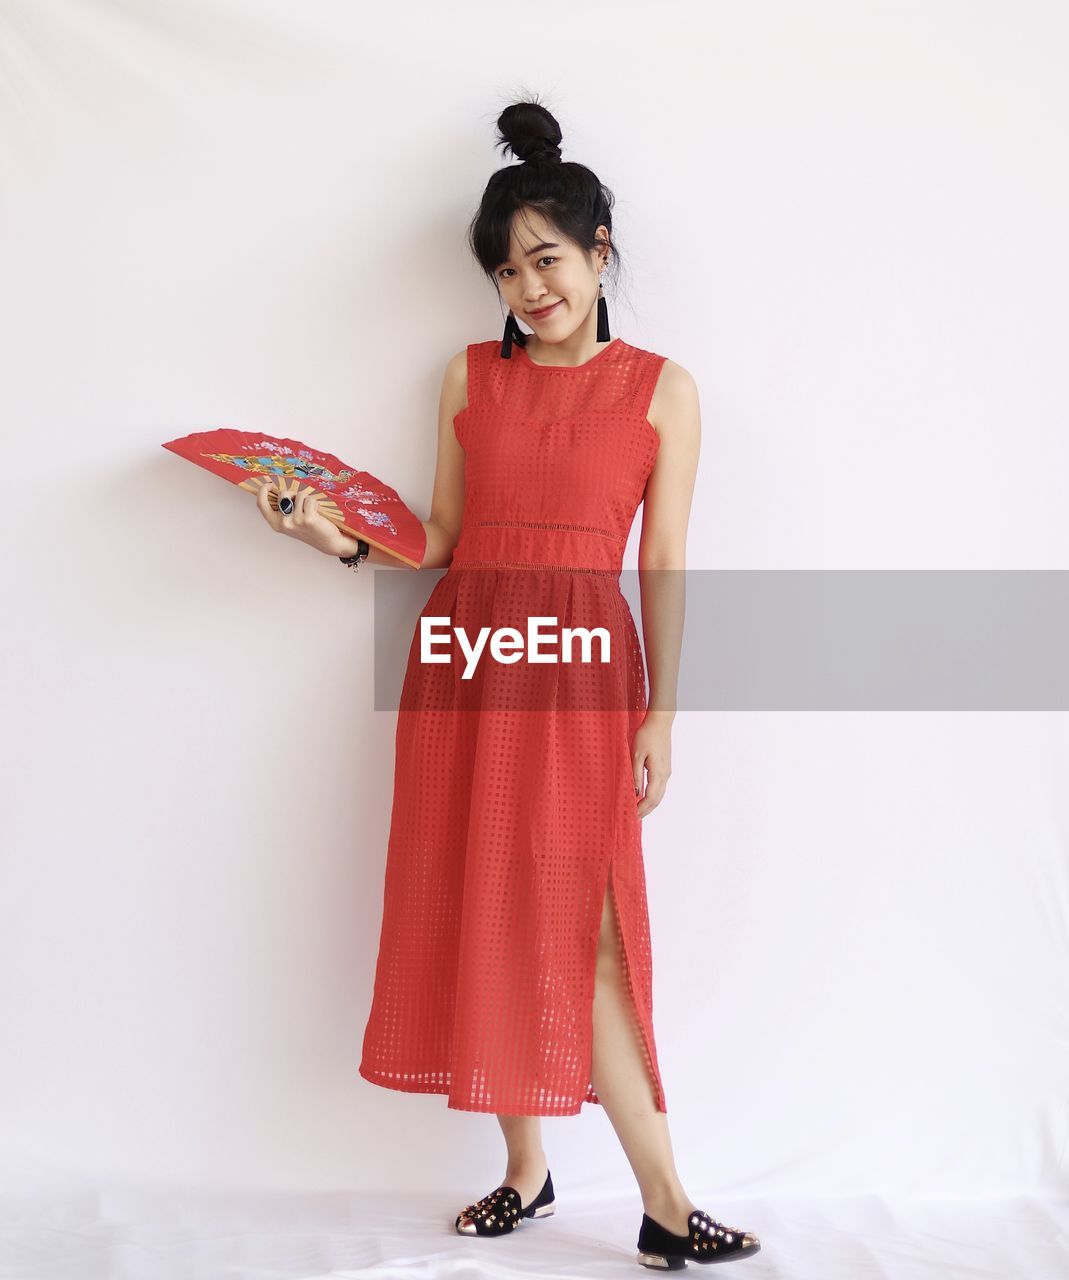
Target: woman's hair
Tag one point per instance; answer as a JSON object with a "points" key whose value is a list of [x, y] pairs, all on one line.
{"points": [[566, 193]]}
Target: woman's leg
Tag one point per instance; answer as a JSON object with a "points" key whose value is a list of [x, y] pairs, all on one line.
{"points": [[526, 1167], [624, 1087]]}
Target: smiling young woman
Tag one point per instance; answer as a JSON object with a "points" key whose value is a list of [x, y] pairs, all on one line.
{"points": [[514, 971]]}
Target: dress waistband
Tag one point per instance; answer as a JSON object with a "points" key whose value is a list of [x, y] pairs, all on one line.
{"points": [[539, 545]]}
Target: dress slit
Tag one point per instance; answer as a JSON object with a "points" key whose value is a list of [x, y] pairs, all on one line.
{"points": [[639, 1024]]}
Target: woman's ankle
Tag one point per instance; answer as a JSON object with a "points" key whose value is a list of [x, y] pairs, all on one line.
{"points": [[667, 1202], [529, 1162]]}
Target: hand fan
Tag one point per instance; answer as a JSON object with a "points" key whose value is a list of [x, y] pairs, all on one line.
{"points": [[359, 503]]}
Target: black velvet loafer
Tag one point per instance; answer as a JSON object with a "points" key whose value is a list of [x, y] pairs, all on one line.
{"points": [[501, 1211], [706, 1241]]}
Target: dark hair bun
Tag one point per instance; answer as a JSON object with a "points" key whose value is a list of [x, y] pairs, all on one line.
{"points": [[572, 197], [530, 132]]}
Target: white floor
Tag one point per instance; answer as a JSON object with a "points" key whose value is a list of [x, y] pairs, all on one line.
{"points": [[157, 1235]]}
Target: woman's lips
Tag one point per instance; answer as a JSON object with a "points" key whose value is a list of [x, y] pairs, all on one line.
{"points": [[546, 311]]}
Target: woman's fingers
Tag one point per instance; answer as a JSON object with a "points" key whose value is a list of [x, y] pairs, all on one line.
{"points": [[312, 510], [656, 785], [291, 489], [308, 505], [656, 782], [263, 501], [306, 521], [278, 483]]}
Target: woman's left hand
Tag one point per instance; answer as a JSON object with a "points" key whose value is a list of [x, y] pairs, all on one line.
{"points": [[305, 522], [651, 752]]}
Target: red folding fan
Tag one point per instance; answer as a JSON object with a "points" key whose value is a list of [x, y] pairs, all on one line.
{"points": [[358, 502]]}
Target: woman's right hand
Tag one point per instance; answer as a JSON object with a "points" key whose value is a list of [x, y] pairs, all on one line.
{"points": [[306, 522]]}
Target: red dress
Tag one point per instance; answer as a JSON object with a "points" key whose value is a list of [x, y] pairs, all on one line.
{"points": [[514, 800]]}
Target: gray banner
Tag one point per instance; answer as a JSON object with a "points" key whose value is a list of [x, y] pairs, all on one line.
{"points": [[762, 640]]}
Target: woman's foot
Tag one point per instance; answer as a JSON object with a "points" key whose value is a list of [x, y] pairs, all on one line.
{"points": [[672, 1213], [665, 1242], [528, 1180]]}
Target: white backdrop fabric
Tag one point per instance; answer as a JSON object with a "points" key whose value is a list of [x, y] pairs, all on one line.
{"points": [[847, 221]]}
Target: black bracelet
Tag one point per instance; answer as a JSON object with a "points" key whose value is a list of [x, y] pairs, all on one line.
{"points": [[363, 550]]}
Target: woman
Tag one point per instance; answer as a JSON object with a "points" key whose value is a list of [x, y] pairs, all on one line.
{"points": [[514, 971]]}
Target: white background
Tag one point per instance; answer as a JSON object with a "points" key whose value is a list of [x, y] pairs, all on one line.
{"points": [[847, 220]]}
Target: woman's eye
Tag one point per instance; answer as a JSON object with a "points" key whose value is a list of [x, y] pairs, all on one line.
{"points": [[541, 260]]}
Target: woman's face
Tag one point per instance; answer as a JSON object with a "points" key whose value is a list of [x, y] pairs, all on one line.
{"points": [[546, 270]]}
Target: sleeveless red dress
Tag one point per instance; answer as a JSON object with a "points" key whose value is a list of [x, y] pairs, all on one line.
{"points": [[514, 809]]}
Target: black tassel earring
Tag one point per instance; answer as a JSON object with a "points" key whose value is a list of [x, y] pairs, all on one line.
{"points": [[603, 316], [513, 333]]}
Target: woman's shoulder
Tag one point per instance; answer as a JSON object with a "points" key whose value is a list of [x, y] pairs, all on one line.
{"points": [[455, 380], [673, 383], [465, 372], [671, 370], [676, 379], [464, 364], [483, 347], [671, 389]]}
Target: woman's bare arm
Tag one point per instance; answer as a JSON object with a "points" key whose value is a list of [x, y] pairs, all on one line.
{"points": [[447, 500], [675, 414]]}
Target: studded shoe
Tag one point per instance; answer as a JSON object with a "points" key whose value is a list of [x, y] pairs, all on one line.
{"points": [[707, 1241], [501, 1211]]}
